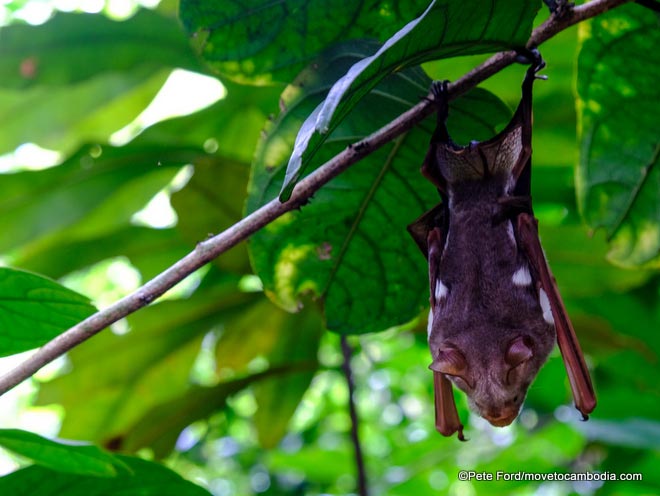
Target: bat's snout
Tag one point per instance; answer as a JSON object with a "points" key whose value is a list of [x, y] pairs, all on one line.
{"points": [[501, 418]]}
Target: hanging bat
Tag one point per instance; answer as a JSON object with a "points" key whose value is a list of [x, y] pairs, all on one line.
{"points": [[495, 306]]}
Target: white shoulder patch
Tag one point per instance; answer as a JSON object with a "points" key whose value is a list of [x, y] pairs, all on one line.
{"points": [[545, 306], [521, 277], [440, 290], [430, 325]]}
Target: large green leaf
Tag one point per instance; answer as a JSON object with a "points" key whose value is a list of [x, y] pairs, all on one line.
{"points": [[33, 310], [70, 48], [64, 117], [349, 245], [149, 250], [264, 41], [103, 187], [142, 478], [117, 378], [83, 459], [446, 29], [288, 343], [619, 100], [212, 202], [229, 128]]}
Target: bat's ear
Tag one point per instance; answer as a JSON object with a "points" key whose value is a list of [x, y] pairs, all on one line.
{"points": [[519, 351], [450, 361]]}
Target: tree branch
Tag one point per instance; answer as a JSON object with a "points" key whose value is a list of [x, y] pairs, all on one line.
{"points": [[347, 352], [215, 246]]}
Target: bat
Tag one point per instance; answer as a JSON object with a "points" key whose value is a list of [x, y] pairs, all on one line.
{"points": [[495, 307]]}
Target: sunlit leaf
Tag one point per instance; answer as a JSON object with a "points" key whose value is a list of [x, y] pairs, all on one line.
{"points": [[67, 48], [149, 250], [93, 192], [208, 205], [83, 459], [65, 117]]}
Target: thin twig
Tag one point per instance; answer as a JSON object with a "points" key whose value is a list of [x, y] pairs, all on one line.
{"points": [[215, 246], [346, 350]]}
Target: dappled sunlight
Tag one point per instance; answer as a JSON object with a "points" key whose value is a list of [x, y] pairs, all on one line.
{"points": [[183, 93]]}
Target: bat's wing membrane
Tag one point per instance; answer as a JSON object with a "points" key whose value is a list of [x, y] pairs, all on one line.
{"points": [[578, 374], [446, 416]]}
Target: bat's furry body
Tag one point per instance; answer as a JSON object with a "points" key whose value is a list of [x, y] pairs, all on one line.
{"points": [[494, 302]]}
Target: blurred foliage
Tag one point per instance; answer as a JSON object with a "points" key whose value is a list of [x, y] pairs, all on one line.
{"points": [[231, 380]]}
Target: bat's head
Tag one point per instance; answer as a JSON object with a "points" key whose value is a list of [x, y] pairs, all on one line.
{"points": [[496, 375]]}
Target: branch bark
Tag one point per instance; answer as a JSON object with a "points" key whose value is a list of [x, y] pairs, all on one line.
{"points": [[207, 250]]}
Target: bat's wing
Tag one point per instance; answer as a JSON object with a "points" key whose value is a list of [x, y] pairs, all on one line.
{"points": [[578, 374], [420, 229], [429, 233], [446, 416]]}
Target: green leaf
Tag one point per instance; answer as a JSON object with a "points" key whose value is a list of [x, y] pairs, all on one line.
{"points": [[208, 205], [632, 432], [83, 459], [117, 378], [33, 310], [144, 479], [232, 125], [279, 396], [149, 250], [107, 185], [446, 29], [67, 48], [64, 117], [618, 182], [288, 343], [349, 246], [259, 41]]}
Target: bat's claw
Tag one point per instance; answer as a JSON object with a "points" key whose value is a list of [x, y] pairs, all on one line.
{"points": [[439, 90], [559, 8], [440, 93]]}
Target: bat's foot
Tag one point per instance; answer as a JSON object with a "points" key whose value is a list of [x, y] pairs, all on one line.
{"points": [[441, 98], [531, 56], [440, 92], [559, 8]]}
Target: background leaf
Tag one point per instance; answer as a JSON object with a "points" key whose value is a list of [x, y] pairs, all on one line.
{"points": [[66, 49], [259, 41], [33, 310], [71, 458], [144, 478], [124, 376], [618, 177]]}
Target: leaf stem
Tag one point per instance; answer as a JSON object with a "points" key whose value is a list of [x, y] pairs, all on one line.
{"points": [[363, 489], [211, 248]]}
